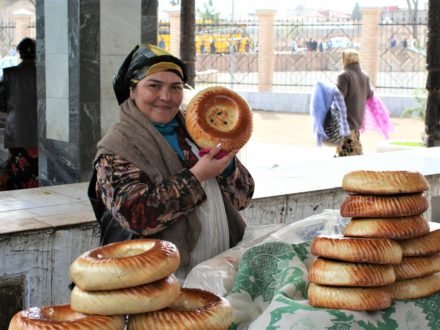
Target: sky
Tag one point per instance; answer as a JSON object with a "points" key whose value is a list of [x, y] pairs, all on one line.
{"points": [[243, 7]]}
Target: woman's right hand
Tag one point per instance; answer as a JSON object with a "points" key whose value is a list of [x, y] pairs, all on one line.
{"points": [[209, 167]]}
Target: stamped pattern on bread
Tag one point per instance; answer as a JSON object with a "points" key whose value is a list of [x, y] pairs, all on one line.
{"points": [[194, 309], [383, 206], [413, 267], [357, 299], [352, 249], [339, 273], [219, 115], [384, 182], [422, 246], [393, 228], [416, 288]]}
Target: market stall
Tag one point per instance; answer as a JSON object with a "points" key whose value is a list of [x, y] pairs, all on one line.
{"points": [[265, 280]]}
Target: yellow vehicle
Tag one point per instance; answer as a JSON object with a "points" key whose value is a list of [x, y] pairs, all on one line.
{"points": [[209, 41]]}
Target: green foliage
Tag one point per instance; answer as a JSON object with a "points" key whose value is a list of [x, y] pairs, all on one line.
{"points": [[419, 110], [408, 143], [208, 13]]}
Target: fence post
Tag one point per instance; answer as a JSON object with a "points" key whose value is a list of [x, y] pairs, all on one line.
{"points": [[23, 19], [175, 33], [369, 49], [266, 39]]}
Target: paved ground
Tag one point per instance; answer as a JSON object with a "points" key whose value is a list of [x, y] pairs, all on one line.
{"points": [[293, 132], [277, 135], [296, 129]]}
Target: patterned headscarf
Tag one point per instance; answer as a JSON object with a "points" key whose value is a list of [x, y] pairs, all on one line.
{"points": [[141, 62]]}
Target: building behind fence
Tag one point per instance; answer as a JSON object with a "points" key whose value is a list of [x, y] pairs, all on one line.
{"points": [[302, 50], [264, 54]]}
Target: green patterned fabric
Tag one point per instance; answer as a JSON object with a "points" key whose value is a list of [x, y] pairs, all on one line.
{"points": [[270, 292]]}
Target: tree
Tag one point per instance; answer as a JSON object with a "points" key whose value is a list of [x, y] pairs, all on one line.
{"points": [[432, 115], [209, 13], [413, 14], [356, 13]]}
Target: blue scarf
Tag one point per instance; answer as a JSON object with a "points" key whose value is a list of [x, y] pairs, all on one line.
{"points": [[168, 131]]}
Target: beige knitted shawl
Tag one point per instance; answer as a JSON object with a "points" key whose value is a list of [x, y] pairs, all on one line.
{"points": [[136, 140]]}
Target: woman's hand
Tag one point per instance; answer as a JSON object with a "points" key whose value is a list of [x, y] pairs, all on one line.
{"points": [[209, 167]]}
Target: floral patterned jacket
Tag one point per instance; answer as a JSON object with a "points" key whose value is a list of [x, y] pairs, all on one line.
{"points": [[146, 208]]}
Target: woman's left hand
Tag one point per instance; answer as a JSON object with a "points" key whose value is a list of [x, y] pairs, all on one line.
{"points": [[209, 167]]}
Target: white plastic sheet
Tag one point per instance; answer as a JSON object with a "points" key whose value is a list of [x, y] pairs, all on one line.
{"points": [[218, 274]]}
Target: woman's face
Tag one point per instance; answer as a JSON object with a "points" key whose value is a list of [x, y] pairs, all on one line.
{"points": [[159, 96]]}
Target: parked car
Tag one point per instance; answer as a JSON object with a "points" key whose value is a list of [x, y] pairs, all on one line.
{"points": [[340, 42]]}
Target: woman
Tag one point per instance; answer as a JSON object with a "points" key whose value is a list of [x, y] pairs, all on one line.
{"points": [[149, 182], [18, 98], [354, 85]]}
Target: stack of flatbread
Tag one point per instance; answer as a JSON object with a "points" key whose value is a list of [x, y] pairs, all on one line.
{"points": [[387, 250]]}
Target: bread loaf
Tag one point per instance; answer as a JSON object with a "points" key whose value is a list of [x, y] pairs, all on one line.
{"points": [[393, 228], [140, 299], [219, 115], [384, 182], [125, 264], [412, 267], [352, 249], [372, 206], [59, 317], [193, 309], [339, 273], [416, 288], [422, 246], [356, 299]]}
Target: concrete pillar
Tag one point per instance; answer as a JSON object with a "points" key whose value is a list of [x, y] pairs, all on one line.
{"points": [[266, 39], [369, 50], [149, 21], [175, 33], [68, 85], [80, 46], [23, 21], [121, 31]]}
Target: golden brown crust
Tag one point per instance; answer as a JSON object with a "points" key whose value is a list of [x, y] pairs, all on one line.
{"points": [[339, 273], [421, 246], [350, 298], [194, 309], [219, 115], [384, 182], [140, 299], [416, 288], [393, 228], [413, 267], [125, 264], [371, 206], [62, 317], [353, 249]]}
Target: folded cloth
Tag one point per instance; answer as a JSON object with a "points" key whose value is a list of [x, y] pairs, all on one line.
{"points": [[325, 96], [339, 103], [270, 292], [377, 117]]}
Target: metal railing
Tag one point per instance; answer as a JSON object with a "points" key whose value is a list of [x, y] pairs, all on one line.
{"points": [[307, 50]]}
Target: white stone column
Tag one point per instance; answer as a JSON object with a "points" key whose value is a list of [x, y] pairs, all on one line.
{"points": [[175, 33], [266, 39], [23, 19]]}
